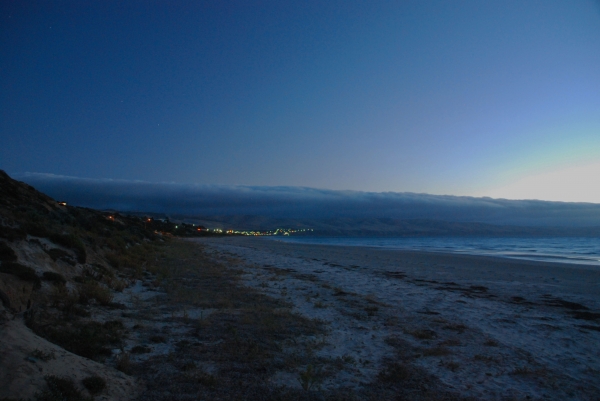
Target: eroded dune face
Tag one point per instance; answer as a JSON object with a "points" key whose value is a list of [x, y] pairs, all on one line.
{"points": [[55, 276], [27, 359]]}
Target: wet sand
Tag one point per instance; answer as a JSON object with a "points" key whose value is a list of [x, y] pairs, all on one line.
{"points": [[489, 328]]}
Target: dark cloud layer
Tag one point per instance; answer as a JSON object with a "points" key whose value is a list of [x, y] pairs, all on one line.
{"points": [[300, 202]]}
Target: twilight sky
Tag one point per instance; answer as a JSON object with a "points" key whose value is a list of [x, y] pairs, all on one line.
{"points": [[479, 98]]}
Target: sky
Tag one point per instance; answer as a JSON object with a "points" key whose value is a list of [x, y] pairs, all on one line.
{"points": [[468, 98]]}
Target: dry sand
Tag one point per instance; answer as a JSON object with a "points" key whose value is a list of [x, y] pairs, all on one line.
{"points": [[23, 371], [489, 328]]}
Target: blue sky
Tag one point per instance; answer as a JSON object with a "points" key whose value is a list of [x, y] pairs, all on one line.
{"points": [[497, 98]]}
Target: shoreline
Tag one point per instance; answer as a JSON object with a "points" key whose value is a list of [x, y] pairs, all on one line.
{"points": [[580, 261], [578, 278], [489, 328]]}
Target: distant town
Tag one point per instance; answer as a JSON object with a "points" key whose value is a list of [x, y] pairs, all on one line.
{"points": [[166, 227], [279, 231]]}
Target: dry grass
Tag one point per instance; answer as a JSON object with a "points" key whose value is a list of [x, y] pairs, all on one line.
{"points": [[43, 355], [94, 384], [451, 342], [422, 334], [451, 365], [245, 335], [124, 363], [93, 290], [456, 327], [63, 298], [527, 371], [90, 339], [436, 351], [485, 358], [60, 388]]}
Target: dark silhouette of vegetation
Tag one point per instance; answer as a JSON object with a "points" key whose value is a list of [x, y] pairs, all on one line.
{"points": [[60, 389], [94, 384], [23, 272], [87, 339], [6, 253], [53, 277]]}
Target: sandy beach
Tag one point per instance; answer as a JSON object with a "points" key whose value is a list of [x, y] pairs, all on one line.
{"points": [[483, 327], [230, 318]]}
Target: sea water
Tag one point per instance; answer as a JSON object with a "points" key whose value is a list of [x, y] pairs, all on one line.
{"points": [[563, 249]]}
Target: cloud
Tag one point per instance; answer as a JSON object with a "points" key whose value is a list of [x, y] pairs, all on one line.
{"points": [[301, 202], [567, 183]]}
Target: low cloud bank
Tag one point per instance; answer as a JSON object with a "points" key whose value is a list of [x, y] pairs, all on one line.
{"points": [[301, 202]]}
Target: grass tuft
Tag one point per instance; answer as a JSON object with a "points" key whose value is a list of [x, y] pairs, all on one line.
{"points": [[310, 378], [60, 389], [53, 277], [124, 363], [93, 290], [140, 349], [94, 384], [436, 351], [42, 355], [422, 334]]}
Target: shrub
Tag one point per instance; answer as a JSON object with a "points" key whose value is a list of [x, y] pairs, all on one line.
{"points": [[395, 373], [43, 355], [37, 230], [12, 234], [73, 242], [310, 378], [124, 363], [206, 379], [114, 260], [54, 277], [6, 253], [117, 284], [62, 298], [93, 290], [23, 272], [60, 389], [187, 366], [158, 339], [140, 349], [56, 253], [94, 384]]}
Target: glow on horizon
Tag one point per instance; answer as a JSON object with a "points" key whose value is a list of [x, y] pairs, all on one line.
{"points": [[574, 183]]}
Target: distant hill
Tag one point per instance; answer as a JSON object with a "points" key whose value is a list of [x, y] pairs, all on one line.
{"points": [[435, 223], [314, 206]]}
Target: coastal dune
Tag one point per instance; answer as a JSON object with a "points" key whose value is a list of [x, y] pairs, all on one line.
{"points": [[482, 327]]}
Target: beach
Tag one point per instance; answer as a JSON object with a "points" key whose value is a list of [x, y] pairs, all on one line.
{"points": [[482, 327], [230, 318]]}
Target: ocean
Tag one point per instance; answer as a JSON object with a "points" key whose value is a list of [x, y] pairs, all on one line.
{"points": [[563, 250]]}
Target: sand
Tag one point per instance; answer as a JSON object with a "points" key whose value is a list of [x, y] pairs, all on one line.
{"points": [[22, 373], [489, 328]]}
